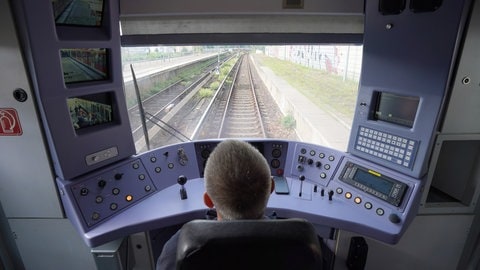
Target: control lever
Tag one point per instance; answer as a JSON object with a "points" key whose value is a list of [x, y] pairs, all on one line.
{"points": [[182, 179], [330, 195], [302, 178]]}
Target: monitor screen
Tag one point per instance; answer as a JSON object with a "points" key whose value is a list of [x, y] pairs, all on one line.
{"points": [[373, 181], [396, 109], [90, 110], [84, 65], [78, 12]]}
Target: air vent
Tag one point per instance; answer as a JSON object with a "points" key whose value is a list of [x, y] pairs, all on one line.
{"points": [[292, 4]]}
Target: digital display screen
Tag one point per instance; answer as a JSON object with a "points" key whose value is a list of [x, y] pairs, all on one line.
{"points": [[90, 110], [396, 109], [84, 65], [78, 12], [372, 181]]}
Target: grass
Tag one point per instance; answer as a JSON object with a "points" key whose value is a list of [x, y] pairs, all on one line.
{"points": [[327, 91], [205, 93], [289, 122], [213, 86]]}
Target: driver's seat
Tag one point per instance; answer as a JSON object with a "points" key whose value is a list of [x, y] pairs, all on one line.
{"points": [[249, 244]]}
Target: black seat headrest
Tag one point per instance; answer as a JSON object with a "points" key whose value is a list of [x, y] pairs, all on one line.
{"points": [[249, 244]]}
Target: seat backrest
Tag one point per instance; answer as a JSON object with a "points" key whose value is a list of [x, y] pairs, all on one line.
{"points": [[249, 244]]}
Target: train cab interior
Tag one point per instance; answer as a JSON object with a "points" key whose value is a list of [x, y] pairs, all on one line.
{"points": [[366, 113]]}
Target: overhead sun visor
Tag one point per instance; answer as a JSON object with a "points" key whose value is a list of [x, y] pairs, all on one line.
{"points": [[209, 7], [145, 19]]}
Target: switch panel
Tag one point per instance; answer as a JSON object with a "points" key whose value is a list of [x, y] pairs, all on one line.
{"points": [[105, 194]]}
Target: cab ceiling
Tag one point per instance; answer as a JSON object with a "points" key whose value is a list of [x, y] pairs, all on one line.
{"points": [[229, 21]]}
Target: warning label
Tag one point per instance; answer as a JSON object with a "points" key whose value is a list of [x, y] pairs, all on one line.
{"points": [[9, 122]]}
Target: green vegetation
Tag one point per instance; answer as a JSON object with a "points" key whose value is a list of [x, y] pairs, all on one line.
{"points": [[185, 76], [289, 122], [206, 92], [157, 87], [214, 85], [327, 91]]}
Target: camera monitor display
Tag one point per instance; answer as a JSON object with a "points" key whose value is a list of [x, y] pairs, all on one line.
{"points": [[90, 110], [396, 109], [78, 12], [84, 65]]}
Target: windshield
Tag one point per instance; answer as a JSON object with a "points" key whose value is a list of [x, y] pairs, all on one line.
{"points": [[295, 92]]}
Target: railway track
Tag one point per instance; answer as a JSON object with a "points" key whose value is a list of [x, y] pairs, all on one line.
{"points": [[234, 111], [242, 116]]}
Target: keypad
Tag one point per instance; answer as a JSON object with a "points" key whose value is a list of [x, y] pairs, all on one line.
{"points": [[392, 148]]}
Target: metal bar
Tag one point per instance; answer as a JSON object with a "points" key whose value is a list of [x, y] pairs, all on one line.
{"points": [[140, 108]]}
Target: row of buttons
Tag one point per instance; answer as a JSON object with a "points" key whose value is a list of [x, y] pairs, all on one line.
{"points": [[358, 200], [113, 206], [320, 155], [386, 137], [315, 164], [116, 191], [109, 193], [309, 161], [386, 146], [102, 183]]}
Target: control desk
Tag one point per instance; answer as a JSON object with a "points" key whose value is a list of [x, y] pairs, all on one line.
{"points": [[165, 187]]}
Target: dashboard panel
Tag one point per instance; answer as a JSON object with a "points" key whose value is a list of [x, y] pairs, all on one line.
{"points": [[164, 187]]}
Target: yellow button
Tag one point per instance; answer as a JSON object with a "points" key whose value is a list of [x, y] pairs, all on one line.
{"points": [[357, 200], [348, 195], [129, 198]]}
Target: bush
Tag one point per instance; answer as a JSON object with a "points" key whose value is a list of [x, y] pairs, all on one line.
{"points": [[205, 93], [214, 85], [289, 122]]}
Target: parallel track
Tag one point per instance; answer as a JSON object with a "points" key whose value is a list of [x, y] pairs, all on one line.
{"points": [[158, 105]]}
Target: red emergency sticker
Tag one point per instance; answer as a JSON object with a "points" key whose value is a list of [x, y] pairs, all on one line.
{"points": [[9, 122]]}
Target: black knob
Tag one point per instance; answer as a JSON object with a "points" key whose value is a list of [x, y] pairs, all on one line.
{"points": [[309, 161], [318, 164], [299, 168], [302, 177], [330, 195], [182, 179], [394, 218], [102, 183], [84, 191], [118, 176]]}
